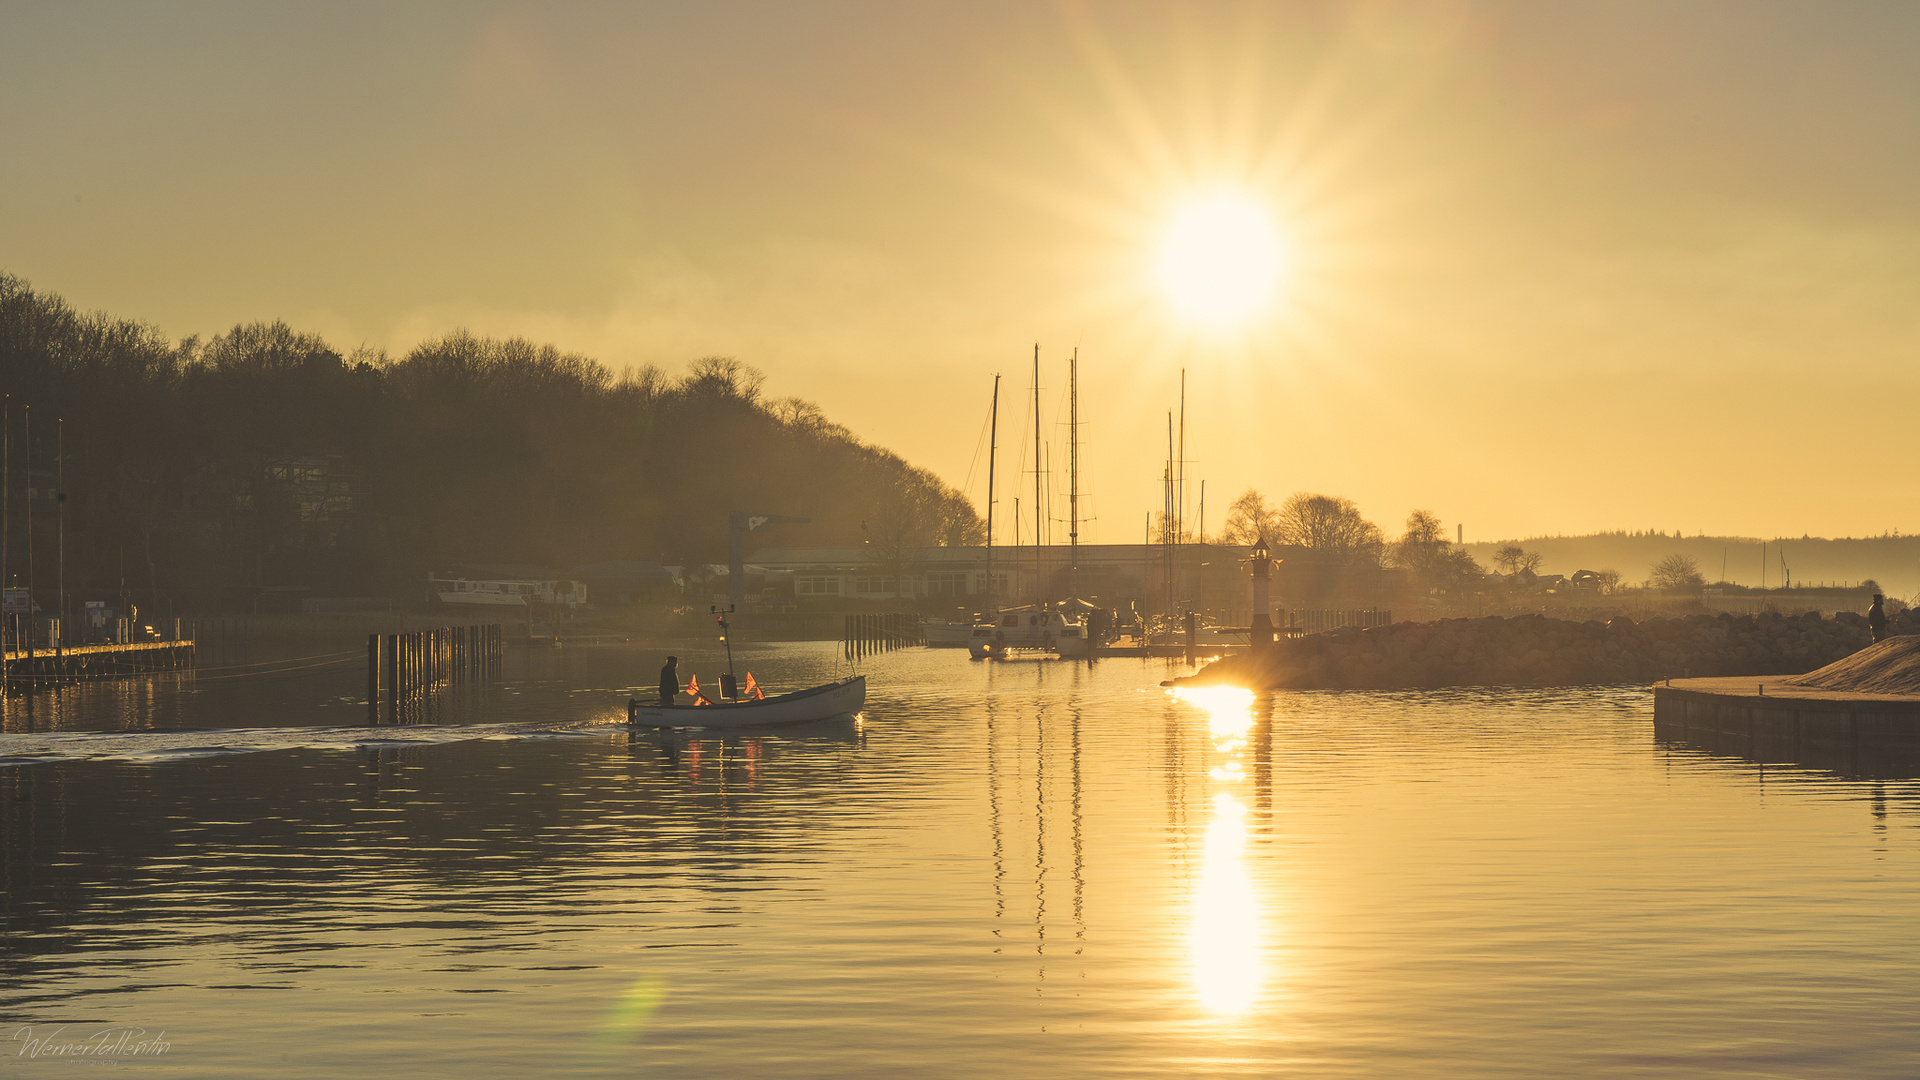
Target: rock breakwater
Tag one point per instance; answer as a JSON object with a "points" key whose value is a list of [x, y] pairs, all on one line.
{"points": [[1535, 650]]}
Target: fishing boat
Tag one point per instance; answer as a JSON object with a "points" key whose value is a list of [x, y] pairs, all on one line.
{"points": [[814, 703]]}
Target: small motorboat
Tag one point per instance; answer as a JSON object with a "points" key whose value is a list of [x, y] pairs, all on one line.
{"points": [[815, 703], [1027, 629]]}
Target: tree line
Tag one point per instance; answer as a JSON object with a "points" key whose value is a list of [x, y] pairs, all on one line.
{"points": [[1337, 533], [265, 458]]}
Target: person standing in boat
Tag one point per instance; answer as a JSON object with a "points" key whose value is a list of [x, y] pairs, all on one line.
{"points": [[670, 681], [1877, 621]]}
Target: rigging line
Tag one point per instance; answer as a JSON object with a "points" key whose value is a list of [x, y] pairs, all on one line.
{"points": [[1053, 494], [979, 448], [267, 672], [1020, 462], [278, 676], [282, 660]]}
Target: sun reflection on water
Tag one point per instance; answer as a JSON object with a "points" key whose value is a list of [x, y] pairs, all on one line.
{"points": [[1224, 934]]}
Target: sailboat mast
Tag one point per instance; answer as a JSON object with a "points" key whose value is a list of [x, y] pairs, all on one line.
{"points": [[1073, 471], [1170, 518], [993, 436], [1039, 505]]}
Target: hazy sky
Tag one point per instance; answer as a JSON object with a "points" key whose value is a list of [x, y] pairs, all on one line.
{"points": [[1544, 267]]}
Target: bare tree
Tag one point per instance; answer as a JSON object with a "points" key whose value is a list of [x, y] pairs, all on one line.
{"points": [[1330, 526], [1425, 552], [1513, 559], [1679, 573], [1250, 519], [1509, 557]]}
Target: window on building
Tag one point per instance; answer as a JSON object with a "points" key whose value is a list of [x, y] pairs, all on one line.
{"points": [[947, 583], [816, 586]]}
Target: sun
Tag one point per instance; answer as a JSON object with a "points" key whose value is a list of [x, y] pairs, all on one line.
{"points": [[1220, 260]]}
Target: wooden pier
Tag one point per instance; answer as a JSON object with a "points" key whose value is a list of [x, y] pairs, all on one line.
{"points": [[48, 667]]}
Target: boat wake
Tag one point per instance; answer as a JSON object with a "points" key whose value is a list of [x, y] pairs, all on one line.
{"points": [[188, 744]]}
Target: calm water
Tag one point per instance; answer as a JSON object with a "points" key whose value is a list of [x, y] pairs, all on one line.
{"points": [[1014, 869]]}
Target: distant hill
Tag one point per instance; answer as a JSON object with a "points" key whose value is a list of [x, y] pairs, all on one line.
{"points": [[1893, 561]]}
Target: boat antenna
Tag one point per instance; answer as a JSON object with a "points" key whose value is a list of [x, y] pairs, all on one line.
{"points": [[728, 686]]}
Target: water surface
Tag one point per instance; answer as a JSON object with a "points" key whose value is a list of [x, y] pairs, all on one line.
{"points": [[1009, 869]]}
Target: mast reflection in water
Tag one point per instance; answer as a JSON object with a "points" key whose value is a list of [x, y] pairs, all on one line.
{"points": [[1225, 936]]}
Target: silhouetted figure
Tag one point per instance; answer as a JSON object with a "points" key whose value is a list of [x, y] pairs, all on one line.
{"points": [[670, 680], [1877, 621]]}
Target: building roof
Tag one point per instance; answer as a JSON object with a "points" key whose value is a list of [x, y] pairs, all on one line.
{"points": [[960, 558]]}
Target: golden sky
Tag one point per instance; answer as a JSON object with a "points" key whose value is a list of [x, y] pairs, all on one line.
{"points": [[1537, 267]]}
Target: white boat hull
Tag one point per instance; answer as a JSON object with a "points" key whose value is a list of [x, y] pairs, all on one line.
{"points": [[816, 703], [1059, 636]]}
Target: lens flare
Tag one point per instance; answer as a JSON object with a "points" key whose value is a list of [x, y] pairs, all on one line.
{"points": [[632, 1012]]}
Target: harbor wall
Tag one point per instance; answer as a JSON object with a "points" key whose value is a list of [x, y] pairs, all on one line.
{"points": [[1848, 734], [1535, 650], [1836, 723]]}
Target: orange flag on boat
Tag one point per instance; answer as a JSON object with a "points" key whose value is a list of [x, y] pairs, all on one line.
{"points": [[693, 687], [753, 689]]}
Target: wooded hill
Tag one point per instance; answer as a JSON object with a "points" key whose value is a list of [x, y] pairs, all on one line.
{"points": [[200, 472]]}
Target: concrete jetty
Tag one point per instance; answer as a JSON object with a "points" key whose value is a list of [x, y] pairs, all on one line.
{"points": [[1776, 718]]}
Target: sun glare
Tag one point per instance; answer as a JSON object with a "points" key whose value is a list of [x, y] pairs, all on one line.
{"points": [[1220, 260]]}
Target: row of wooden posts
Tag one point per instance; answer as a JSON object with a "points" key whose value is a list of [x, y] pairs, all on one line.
{"points": [[865, 635], [403, 668], [1306, 621]]}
